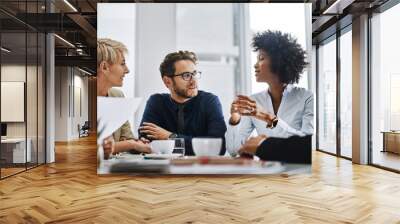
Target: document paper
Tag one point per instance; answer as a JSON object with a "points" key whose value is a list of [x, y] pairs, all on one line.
{"points": [[112, 113]]}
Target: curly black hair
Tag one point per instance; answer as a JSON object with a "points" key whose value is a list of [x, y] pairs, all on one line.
{"points": [[167, 67], [286, 55]]}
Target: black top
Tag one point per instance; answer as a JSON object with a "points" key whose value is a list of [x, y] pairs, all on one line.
{"points": [[294, 149], [202, 117]]}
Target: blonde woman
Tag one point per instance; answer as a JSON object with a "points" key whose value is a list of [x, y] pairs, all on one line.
{"points": [[111, 70]]}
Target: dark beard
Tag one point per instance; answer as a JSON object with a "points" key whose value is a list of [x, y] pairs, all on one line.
{"points": [[180, 92]]}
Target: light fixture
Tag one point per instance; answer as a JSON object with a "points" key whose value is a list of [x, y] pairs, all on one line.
{"points": [[5, 50], [70, 5], [65, 41], [86, 72], [80, 51]]}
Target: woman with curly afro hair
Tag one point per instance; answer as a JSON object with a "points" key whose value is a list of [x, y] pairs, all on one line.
{"points": [[282, 110]]}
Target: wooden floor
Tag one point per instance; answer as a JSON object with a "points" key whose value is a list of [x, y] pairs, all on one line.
{"points": [[5, 172], [10, 171], [69, 191], [387, 159]]}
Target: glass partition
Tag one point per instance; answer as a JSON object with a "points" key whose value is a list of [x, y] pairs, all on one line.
{"points": [[13, 109], [22, 88]]}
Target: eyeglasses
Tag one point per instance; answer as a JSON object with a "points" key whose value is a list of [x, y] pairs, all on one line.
{"points": [[188, 76]]}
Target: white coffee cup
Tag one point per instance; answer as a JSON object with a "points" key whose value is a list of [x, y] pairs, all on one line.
{"points": [[206, 146], [162, 146]]}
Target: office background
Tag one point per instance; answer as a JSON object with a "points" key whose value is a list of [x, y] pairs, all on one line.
{"points": [[340, 52], [46, 82], [22, 77]]}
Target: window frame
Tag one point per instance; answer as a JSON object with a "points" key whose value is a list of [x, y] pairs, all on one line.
{"points": [[333, 37]]}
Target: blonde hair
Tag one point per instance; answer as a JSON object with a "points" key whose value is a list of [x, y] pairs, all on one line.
{"points": [[108, 49]]}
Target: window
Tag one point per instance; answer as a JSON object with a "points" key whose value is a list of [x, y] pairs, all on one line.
{"points": [[346, 94], [327, 96], [385, 88]]}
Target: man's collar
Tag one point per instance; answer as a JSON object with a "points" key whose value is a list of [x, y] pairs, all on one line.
{"points": [[185, 104]]}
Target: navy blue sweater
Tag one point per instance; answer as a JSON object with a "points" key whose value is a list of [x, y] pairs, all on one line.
{"points": [[203, 117]]}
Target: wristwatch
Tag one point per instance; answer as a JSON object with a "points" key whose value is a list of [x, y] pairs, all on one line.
{"points": [[273, 123], [173, 135]]}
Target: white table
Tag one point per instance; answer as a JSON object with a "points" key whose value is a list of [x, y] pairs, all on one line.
{"points": [[17, 147]]}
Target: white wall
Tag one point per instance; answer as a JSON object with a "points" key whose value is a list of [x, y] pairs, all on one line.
{"points": [[61, 104], [208, 30], [15, 73], [117, 21], [33, 126], [155, 37], [80, 102], [68, 82], [83, 83], [12, 100]]}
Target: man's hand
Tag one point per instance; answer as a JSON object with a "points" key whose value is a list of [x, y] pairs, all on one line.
{"points": [[154, 132], [251, 145], [141, 146], [108, 147]]}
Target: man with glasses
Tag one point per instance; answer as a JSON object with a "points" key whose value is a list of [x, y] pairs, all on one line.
{"points": [[186, 112]]}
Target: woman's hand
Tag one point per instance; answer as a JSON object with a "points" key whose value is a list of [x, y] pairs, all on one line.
{"points": [[108, 147], [235, 115], [248, 107], [251, 145]]}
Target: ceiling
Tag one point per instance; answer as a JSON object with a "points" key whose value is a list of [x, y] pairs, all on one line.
{"points": [[76, 22], [331, 15]]}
